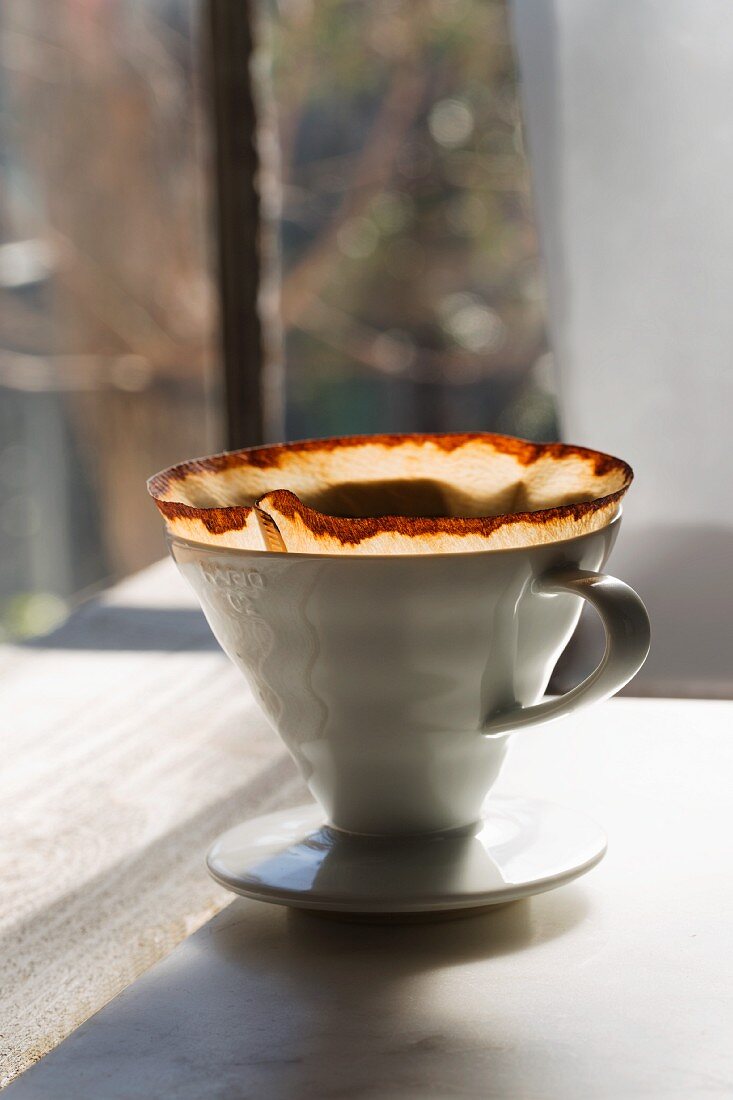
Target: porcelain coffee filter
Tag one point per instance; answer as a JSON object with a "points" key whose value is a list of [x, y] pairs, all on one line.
{"points": [[392, 494]]}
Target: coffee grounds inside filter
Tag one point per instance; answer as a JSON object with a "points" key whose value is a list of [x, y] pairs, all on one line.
{"points": [[415, 498], [361, 499]]}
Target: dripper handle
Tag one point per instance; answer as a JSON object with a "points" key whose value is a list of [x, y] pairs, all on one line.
{"points": [[627, 628]]}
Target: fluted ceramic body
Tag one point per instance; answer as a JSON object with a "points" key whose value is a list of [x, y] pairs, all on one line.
{"points": [[384, 675]]}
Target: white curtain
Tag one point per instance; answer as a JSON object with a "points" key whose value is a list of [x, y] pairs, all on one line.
{"points": [[629, 117]]}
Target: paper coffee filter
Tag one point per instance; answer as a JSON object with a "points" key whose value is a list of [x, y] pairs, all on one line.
{"points": [[392, 494]]}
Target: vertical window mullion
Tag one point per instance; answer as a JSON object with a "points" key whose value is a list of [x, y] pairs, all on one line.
{"points": [[237, 215]]}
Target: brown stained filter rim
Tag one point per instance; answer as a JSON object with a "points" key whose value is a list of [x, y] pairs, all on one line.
{"points": [[523, 450], [240, 551], [218, 520], [350, 532]]}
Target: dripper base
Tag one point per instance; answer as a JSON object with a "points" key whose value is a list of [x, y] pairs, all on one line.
{"points": [[520, 847]]}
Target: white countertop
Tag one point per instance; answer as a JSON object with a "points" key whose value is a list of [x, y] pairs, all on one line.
{"points": [[617, 986]]}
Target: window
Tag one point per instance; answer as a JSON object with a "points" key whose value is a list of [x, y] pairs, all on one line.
{"points": [[107, 344], [400, 282], [411, 292]]}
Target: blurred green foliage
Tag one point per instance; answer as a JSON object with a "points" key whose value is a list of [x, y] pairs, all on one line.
{"points": [[412, 292]]}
